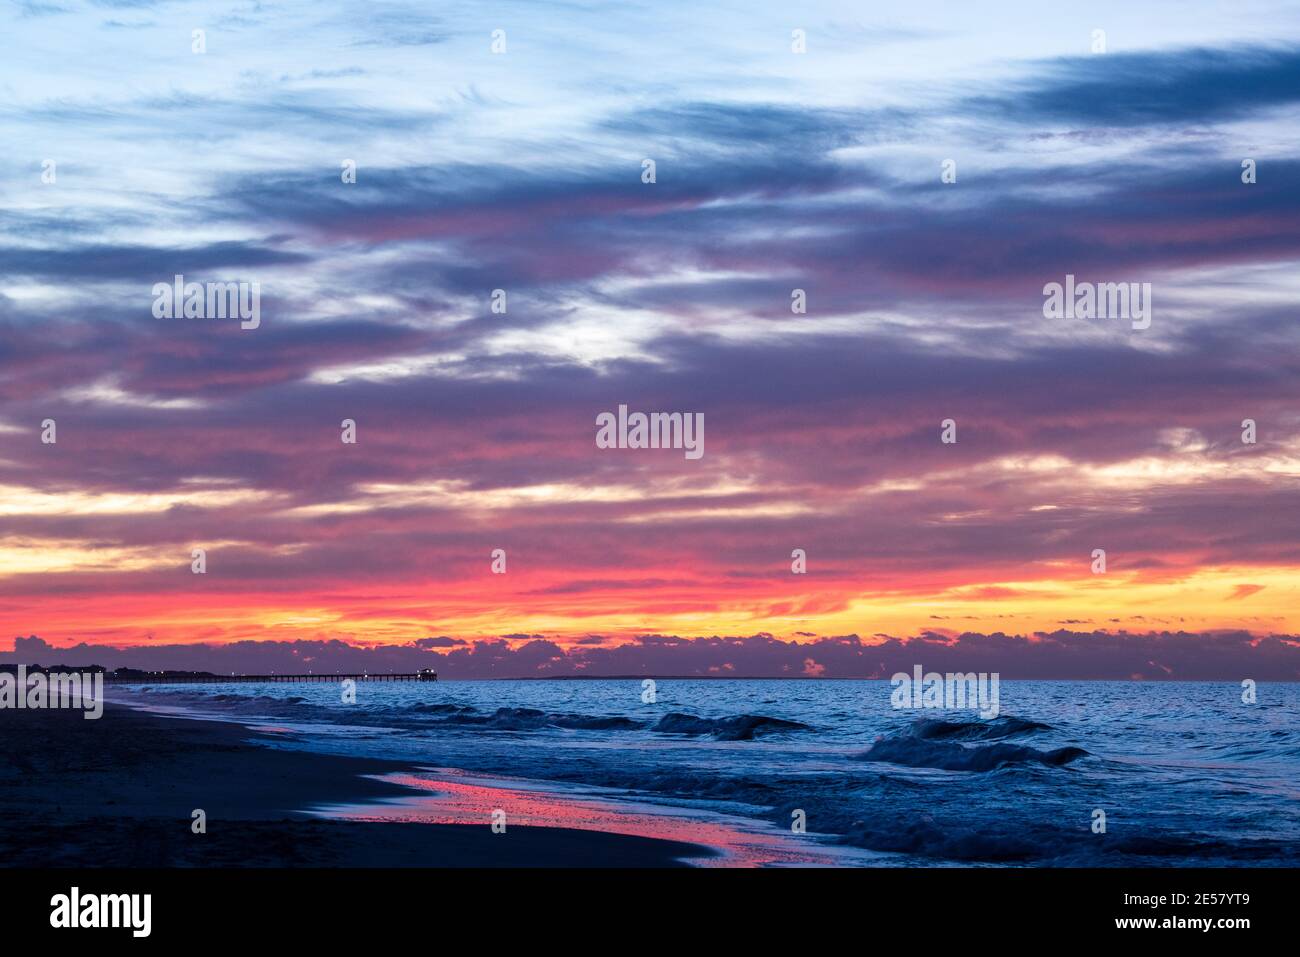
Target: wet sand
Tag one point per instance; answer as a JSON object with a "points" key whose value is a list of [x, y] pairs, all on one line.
{"points": [[120, 792]]}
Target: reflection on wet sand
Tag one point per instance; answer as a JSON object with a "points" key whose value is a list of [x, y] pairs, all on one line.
{"points": [[448, 796]]}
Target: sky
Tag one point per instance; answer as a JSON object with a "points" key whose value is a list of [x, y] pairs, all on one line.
{"points": [[1113, 157]]}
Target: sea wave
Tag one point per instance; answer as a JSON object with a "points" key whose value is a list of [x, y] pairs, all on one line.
{"points": [[449, 715], [928, 743], [1033, 843], [742, 727], [1004, 726], [946, 756], [534, 719]]}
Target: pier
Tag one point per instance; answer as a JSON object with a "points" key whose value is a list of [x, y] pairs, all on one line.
{"points": [[132, 676]]}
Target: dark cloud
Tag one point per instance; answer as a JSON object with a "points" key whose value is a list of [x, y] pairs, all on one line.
{"points": [[146, 264], [1069, 655], [1152, 87]]}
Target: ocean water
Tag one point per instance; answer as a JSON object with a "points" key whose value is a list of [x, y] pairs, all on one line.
{"points": [[1185, 773]]}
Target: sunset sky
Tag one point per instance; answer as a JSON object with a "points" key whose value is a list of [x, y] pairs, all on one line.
{"points": [[522, 171]]}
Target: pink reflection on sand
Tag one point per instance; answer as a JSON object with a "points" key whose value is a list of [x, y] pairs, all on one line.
{"points": [[449, 797]]}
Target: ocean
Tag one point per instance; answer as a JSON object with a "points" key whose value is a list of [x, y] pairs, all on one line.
{"points": [[820, 772]]}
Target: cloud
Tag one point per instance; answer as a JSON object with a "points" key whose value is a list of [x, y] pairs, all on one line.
{"points": [[441, 641], [1190, 85], [145, 264], [1070, 655], [1245, 591], [812, 669]]}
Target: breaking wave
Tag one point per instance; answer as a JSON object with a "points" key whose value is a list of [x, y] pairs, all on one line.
{"points": [[928, 743]]}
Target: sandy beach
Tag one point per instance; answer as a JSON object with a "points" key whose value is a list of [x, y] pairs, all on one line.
{"points": [[120, 791]]}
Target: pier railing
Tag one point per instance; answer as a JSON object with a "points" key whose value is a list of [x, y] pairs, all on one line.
{"points": [[186, 678]]}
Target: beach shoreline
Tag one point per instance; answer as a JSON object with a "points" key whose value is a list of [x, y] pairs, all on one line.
{"points": [[121, 791]]}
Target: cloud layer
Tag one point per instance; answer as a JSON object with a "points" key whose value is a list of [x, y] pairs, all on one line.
{"points": [[1062, 654], [775, 171]]}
